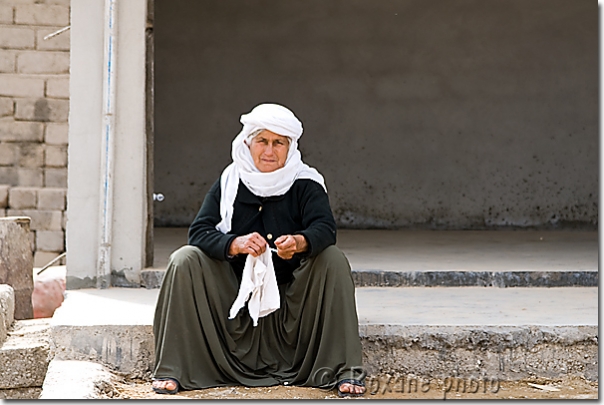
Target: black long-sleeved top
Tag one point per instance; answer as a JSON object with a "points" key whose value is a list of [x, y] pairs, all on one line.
{"points": [[303, 210]]}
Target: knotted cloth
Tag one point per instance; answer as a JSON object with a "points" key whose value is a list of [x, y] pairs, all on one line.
{"points": [[281, 121]]}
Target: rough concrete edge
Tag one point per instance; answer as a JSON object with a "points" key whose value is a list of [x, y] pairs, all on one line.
{"points": [[75, 379], [449, 278], [7, 310], [120, 279], [76, 283], [453, 278], [84, 343], [481, 337]]}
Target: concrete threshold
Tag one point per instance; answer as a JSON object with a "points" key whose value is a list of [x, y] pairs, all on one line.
{"points": [[508, 334]]}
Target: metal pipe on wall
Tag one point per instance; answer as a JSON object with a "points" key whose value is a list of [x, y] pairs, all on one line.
{"points": [[108, 148]]}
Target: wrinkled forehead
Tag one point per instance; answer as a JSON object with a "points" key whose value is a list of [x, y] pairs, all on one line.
{"points": [[268, 134]]}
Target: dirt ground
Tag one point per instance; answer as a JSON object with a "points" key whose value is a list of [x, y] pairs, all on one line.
{"points": [[384, 387]]}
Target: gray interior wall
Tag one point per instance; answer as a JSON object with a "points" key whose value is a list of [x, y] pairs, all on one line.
{"points": [[440, 113]]}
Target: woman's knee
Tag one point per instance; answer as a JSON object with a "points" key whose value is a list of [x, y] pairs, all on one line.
{"points": [[333, 260], [184, 255]]}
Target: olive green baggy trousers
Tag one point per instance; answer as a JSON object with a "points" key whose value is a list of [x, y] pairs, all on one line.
{"points": [[311, 340]]}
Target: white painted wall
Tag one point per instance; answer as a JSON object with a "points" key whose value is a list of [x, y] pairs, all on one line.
{"points": [[85, 129]]}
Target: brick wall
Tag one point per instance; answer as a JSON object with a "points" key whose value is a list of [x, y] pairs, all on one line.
{"points": [[34, 107]]}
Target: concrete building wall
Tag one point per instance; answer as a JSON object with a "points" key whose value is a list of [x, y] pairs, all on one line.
{"points": [[107, 208], [34, 106], [455, 114]]}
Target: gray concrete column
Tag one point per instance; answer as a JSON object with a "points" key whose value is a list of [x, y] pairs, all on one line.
{"points": [[86, 175]]}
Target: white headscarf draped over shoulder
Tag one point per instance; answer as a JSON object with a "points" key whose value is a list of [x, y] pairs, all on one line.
{"points": [[281, 121]]}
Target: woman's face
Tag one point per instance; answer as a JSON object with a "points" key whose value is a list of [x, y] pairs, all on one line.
{"points": [[269, 151]]}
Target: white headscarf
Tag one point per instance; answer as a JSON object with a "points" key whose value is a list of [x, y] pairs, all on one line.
{"points": [[281, 121]]}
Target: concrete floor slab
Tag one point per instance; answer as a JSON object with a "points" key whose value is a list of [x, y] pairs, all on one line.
{"points": [[380, 305], [423, 250], [112, 306], [478, 306]]}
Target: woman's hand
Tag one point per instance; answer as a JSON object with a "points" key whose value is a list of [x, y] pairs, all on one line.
{"points": [[253, 244], [287, 245]]}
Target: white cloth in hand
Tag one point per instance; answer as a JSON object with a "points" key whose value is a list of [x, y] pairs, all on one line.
{"points": [[259, 284]]}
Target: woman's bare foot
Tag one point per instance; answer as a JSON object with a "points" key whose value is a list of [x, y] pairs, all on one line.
{"points": [[348, 388], [165, 386]]}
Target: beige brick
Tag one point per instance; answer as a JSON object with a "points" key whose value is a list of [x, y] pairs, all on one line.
{"points": [[55, 156], [2, 213], [6, 14], [15, 85], [8, 154], [60, 2], [51, 198], [40, 219], [42, 14], [42, 109], [64, 221], [7, 61], [60, 42], [6, 106], [30, 177], [57, 2], [31, 155], [22, 198], [55, 178], [11, 130], [43, 62], [17, 2], [56, 133], [57, 88], [17, 37], [4, 196], [50, 241], [8, 175], [41, 258]]}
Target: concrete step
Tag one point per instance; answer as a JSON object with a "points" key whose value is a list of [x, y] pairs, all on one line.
{"points": [[24, 359], [152, 278], [508, 334]]}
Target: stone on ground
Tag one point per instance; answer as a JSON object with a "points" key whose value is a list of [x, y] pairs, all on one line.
{"points": [[16, 262], [24, 359], [7, 310], [71, 379]]}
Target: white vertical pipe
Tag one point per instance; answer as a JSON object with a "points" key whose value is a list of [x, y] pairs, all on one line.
{"points": [[107, 150]]}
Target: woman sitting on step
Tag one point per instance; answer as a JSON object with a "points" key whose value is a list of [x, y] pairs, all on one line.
{"points": [[265, 232]]}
